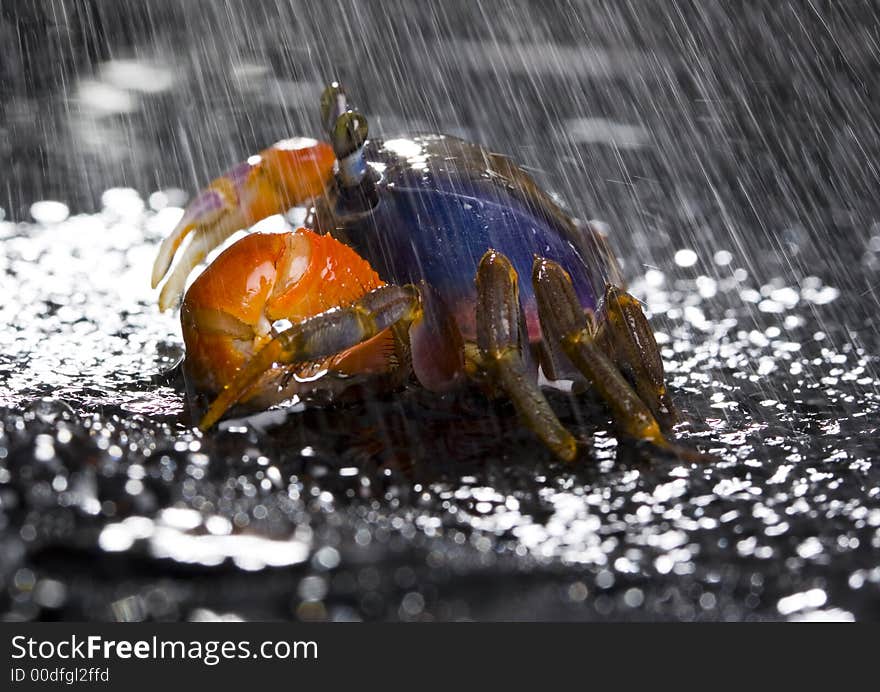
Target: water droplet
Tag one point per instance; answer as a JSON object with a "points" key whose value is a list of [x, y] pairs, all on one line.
{"points": [[122, 201], [686, 258], [312, 588], [49, 212]]}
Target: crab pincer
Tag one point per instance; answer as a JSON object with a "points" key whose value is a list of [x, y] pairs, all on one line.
{"points": [[290, 173]]}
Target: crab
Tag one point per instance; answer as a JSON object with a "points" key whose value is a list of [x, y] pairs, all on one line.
{"points": [[423, 257]]}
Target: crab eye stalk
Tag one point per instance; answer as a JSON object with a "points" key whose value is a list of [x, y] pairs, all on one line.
{"points": [[349, 133], [347, 130], [348, 138]]}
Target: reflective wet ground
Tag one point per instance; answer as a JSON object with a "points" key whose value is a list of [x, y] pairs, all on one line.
{"points": [[731, 153]]}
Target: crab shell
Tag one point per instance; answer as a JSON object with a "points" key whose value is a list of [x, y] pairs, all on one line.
{"points": [[442, 203]]}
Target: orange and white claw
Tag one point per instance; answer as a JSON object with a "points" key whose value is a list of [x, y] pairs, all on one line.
{"points": [[289, 173]]}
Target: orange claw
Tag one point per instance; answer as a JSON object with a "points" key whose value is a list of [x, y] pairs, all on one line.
{"points": [[289, 173], [228, 312]]}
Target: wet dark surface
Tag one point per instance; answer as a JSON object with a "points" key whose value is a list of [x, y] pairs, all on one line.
{"points": [[732, 153]]}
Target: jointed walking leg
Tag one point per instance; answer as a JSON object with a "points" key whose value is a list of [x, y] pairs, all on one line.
{"points": [[564, 322], [321, 336], [499, 337]]}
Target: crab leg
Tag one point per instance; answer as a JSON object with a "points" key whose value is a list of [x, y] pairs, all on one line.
{"points": [[287, 174], [499, 338], [624, 334], [326, 334], [563, 321]]}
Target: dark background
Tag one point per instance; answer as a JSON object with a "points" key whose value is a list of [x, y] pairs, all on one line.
{"points": [[748, 128]]}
